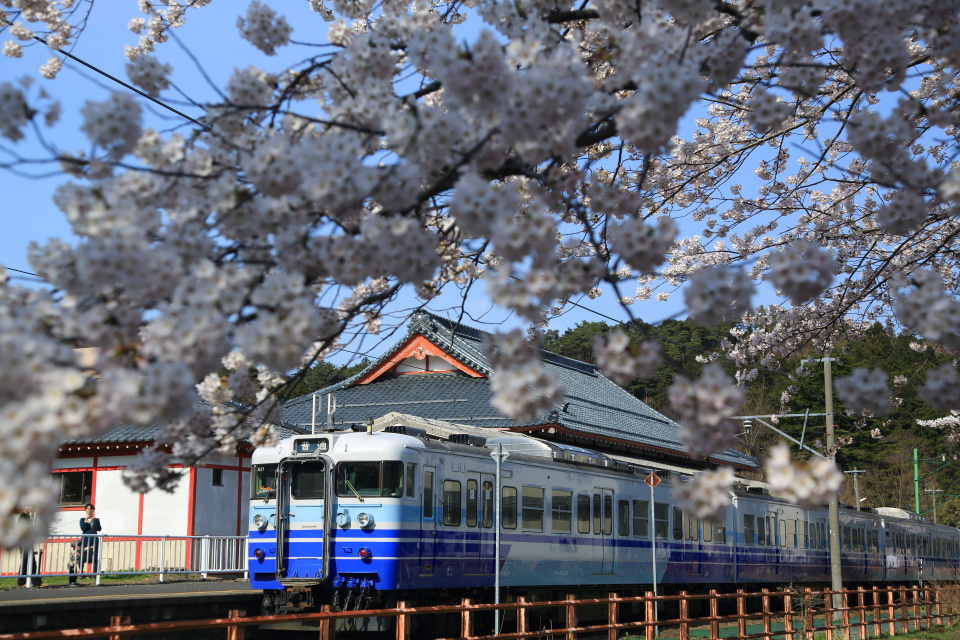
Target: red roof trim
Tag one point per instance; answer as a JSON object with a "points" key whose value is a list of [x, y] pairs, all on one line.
{"points": [[416, 347]]}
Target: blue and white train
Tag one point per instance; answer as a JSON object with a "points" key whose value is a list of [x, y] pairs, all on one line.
{"points": [[362, 519]]}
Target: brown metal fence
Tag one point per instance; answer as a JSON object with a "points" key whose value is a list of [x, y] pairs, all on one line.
{"points": [[793, 615]]}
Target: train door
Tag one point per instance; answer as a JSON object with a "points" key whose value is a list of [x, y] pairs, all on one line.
{"points": [[479, 550], [487, 534], [303, 523], [428, 523], [604, 551]]}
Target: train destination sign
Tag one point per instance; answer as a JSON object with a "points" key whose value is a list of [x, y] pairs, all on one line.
{"points": [[316, 445]]}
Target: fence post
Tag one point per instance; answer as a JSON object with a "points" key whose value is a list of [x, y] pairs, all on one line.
{"points": [[787, 616], [204, 557], [236, 632], [403, 621], [571, 616], [99, 562], [861, 612], [521, 615], [845, 614], [891, 613], [875, 602], [741, 613], [937, 608], [809, 623], [163, 555], [828, 613], [650, 616], [466, 618], [904, 611], [118, 621], [684, 616], [612, 618], [917, 618], [328, 626], [714, 622], [765, 606]]}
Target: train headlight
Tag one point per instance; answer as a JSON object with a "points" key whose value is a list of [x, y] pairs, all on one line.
{"points": [[258, 521], [365, 520]]}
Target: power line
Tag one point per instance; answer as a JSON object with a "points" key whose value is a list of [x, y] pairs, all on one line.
{"points": [[125, 85]]}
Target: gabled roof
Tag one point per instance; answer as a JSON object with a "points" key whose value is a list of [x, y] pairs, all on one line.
{"points": [[595, 411]]}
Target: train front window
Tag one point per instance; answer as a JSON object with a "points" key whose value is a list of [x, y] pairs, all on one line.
{"points": [[307, 481], [264, 484], [360, 479]]}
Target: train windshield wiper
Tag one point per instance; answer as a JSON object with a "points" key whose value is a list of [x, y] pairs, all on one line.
{"points": [[355, 492]]}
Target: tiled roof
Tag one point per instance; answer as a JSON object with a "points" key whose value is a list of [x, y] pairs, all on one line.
{"points": [[594, 406], [124, 432]]}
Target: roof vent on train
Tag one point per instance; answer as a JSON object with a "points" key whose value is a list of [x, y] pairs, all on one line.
{"points": [[405, 430], [556, 450], [467, 438]]}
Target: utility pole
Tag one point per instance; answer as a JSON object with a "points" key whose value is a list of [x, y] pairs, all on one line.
{"points": [[856, 485], [933, 495], [836, 577]]}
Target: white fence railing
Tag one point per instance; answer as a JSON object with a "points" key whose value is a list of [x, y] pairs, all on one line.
{"points": [[96, 556]]}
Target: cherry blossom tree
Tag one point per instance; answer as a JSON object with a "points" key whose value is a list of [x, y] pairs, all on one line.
{"points": [[563, 150]]}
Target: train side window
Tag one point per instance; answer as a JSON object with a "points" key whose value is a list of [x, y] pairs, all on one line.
{"points": [[508, 507], [692, 527], [411, 478], [487, 502], [471, 503], [562, 511], [783, 533], [805, 534], [677, 523], [719, 529], [707, 532], [661, 520], [392, 480], [532, 508], [452, 500], [623, 518], [428, 494], [597, 513], [641, 518], [583, 514], [771, 531], [607, 515], [761, 531], [846, 538], [749, 529]]}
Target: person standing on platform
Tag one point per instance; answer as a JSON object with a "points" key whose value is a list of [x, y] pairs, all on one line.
{"points": [[89, 545]]}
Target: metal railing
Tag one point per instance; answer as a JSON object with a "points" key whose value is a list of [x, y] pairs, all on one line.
{"points": [[98, 556], [792, 615]]}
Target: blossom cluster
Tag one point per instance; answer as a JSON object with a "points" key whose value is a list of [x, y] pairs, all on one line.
{"points": [[865, 391], [707, 495], [942, 388], [813, 486], [622, 361], [522, 389], [802, 270], [704, 407]]}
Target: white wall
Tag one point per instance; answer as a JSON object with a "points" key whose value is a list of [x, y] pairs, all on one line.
{"points": [[119, 509]]}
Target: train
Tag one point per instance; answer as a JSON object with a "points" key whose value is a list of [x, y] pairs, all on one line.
{"points": [[362, 519]]}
